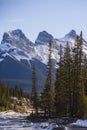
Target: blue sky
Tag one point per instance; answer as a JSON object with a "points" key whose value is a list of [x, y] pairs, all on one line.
{"points": [[57, 17]]}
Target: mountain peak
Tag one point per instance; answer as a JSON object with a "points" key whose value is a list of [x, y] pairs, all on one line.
{"points": [[16, 30], [43, 37], [17, 33], [17, 39], [72, 34], [13, 35]]}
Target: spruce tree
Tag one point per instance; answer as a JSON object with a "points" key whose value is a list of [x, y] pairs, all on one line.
{"points": [[34, 95], [85, 73], [69, 85], [58, 84], [78, 82], [60, 90], [68, 79], [48, 94]]}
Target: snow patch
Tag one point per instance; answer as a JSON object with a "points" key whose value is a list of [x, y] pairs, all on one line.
{"points": [[11, 115], [6, 46], [82, 123], [1, 59], [42, 53], [17, 121]]}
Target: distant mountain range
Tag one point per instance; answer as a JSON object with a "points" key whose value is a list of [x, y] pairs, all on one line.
{"points": [[17, 53]]}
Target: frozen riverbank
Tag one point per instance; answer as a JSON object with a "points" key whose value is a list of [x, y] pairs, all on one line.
{"points": [[11, 120], [12, 115]]}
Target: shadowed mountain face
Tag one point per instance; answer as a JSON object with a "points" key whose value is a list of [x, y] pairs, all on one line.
{"points": [[43, 38], [17, 54]]}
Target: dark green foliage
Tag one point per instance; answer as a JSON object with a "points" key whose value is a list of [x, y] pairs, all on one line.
{"points": [[34, 96], [85, 73], [68, 79], [70, 83], [47, 97], [60, 87], [78, 79], [71, 79]]}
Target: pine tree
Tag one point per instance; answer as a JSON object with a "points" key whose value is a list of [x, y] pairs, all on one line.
{"points": [[62, 83], [60, 87], [34, 95], [48, 94], [8, 91], [85, 73], [69, 85], [68, 79], [20, 93], [78, 82]]}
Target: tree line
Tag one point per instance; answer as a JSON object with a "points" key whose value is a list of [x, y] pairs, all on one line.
{"points": [[67, 94], [6, 92]]}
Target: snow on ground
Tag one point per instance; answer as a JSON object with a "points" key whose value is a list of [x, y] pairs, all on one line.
{"points": [[11, 115], [10, 120], [82, 123], [13, 125]]}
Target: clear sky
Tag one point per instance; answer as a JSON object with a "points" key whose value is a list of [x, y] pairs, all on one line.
{"points": [[57, 17]]}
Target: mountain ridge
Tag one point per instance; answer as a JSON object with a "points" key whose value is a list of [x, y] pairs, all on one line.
{"points": [[17, 54]]}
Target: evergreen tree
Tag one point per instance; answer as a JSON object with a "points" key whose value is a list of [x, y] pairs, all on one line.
{"points": [[68, 79], [8, 91], [69, 85], [48, 94], [16, 91], [20, 93], [78, 82], [85, 73], [34, 95], [60, 90]]}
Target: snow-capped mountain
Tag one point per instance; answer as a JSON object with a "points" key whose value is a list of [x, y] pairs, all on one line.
{"points": [[43, 38], [17, 53], [17, 39], [17, 45]]}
